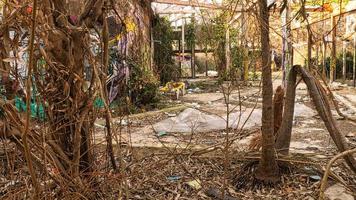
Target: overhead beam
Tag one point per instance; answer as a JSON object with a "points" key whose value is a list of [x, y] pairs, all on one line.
{"points": [[173, 12], [193, 3], [178, 52], [327, 17]]}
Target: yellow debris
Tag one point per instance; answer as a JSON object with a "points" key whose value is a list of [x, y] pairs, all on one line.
{"points": [[195, 184], [173, 87]]}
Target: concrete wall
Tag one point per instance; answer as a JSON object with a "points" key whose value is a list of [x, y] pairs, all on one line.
{"points": [[138, 17]]}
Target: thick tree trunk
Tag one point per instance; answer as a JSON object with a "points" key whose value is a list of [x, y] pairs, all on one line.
{"points": [[268, 169], [66, 48]]}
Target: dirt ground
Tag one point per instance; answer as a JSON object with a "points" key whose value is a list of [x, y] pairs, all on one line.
{"points": [[204, 104], [180, 152]]}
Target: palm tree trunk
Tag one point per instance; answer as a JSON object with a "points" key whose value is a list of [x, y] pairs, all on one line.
{"points": [[268, 169]]}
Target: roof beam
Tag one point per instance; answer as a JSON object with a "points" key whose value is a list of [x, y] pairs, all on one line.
{"points": [[174, 12], [193, 3]]}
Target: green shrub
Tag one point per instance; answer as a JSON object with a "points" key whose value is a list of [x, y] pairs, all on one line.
{"points": [[143, 87]]}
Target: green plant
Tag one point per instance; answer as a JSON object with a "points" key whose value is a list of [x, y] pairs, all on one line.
{"points": [[163, 50], [143, 86], [339, 58]]}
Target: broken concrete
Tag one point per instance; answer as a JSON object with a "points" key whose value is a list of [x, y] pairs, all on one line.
{"points": [[301, 110], [338, 192]]}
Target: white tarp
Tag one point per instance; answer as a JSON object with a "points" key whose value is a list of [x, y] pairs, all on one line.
{"points": [[193, 120]]}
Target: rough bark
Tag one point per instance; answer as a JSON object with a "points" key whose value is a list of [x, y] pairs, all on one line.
{"points": [[278, 100], [65, 47], [65, 50], [283, 138], [322, 105], [268, 169], [104, 95]]}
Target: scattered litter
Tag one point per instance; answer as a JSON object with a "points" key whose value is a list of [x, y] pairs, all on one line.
{"points": [[195, 184], [320, 156], [195, 90], [315, 177], [308, 169], [195, 105], [99, 126], [208, 142], [351, 134], [172, 114], [11, 183], [212, 73], [123, 122], [173, 178], [161, 133]]}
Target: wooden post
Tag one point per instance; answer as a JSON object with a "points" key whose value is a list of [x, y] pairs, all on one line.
{"points": [[323, 57], [152, 50], [183, 47], [179, 57], [333, 50], [206, 60], [310, 40], [227, 49], [354, 63], [179, 50], [344, 61], [245, 59], [192, 59], [317, 46]]}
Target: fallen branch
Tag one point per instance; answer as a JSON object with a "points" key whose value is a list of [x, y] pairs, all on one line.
{"points": [[334, 101], [322, 105]]}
